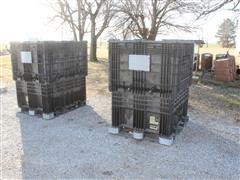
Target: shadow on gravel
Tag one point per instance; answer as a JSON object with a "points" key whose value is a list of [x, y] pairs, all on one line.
{"points": [[77, 145], [54, 148]]}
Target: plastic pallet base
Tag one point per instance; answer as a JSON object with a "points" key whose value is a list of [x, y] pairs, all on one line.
{"points": [[70, 108], [138, 135], [48, 116], [44, 115]]}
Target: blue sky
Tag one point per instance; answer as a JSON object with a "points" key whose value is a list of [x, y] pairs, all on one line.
{"points": [[23, 20]]}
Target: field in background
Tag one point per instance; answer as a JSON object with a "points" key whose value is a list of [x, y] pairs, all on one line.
{"points": [[102, 50], [5, 70], [213, 49], [98, 70]]}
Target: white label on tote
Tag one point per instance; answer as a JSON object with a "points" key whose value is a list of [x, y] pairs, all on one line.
{"points": [[26, 57], [139, 62]]}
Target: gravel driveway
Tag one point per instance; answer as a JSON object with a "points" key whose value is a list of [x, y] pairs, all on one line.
{"points": [[77, 145]]}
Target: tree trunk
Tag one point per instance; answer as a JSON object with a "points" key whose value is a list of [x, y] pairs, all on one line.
{"points": [[93, 47], [81, 34], [152, 36], [74, 34]]}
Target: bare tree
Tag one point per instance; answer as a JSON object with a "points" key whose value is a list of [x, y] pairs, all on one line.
{"points": [[147, 18], [209, 6], [100, 12], [73, 15], [76, 15]]}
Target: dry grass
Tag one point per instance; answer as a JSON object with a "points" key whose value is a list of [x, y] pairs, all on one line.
{"points": [[97, 79], [98, 71], [214, 49], [225, 92], [5, 69], [102, 51]]}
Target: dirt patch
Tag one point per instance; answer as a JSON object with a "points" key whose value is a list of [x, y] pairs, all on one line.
{"points": [[6, 70]]}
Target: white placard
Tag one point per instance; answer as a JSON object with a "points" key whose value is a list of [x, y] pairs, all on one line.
{"points": [[139, 62], [26, 57]]}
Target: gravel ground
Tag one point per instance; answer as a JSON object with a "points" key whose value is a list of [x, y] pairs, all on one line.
{"points": [[77, 145]]}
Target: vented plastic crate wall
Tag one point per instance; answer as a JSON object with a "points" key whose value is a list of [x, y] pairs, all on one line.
{"points": [[48, 61], [48, 98], [50, 76], [150, 83], [170, 65]]}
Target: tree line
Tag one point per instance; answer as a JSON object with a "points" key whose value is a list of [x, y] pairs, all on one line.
{"points": [[143, 19]]}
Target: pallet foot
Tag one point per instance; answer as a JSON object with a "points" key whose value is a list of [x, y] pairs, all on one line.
{"points": [[113, 130], [138, 135], [168, 141], [31, 112], [48, 116]]}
